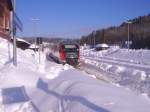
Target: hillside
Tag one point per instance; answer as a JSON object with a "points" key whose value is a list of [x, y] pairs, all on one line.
{"points": [[139, 34]]}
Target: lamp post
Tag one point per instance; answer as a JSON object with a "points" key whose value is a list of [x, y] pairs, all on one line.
{"points": [[94, 34], [128, 40], [35, 20]]}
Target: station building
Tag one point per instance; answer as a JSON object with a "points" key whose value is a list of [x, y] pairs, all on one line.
{"points": [[6, 6]]}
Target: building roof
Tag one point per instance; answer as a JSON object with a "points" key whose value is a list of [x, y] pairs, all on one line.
{"points": [[10, 4], [22, 40], [103, 45]]}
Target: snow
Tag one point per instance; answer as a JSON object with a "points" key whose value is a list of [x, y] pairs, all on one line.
{"points": [[102, 45], [129, 68], [77, 93], [114, 52], [22, 40], [46, 86], [33, 46]]}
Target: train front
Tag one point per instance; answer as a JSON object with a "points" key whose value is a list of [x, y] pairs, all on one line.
{"points": [[70, 54]]}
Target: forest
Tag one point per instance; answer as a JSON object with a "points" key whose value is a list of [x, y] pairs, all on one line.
{"points": [[138, 32]]}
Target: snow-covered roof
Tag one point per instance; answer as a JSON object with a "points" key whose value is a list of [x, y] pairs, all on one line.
{"points": [[102, 45], [33, 46], [22, 40]]}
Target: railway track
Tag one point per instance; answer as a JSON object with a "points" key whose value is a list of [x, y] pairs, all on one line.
{"points": [[142, 67], [111, 77], [93, 72]]}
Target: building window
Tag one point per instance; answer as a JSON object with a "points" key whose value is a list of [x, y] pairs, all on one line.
{"points": [[1, 9], [1, 15]]}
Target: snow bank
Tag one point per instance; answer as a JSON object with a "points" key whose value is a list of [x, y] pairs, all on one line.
{"points": [[93, 53], [127, 67], [14, 80], [115, 53], [50, 87], [6, 52], [74, 91]]}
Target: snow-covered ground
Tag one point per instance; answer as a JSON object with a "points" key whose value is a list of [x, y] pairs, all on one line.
{"points": [[124, 55], [51, 87], [129, 68]]}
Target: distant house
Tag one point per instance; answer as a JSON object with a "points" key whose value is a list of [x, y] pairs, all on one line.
{"points": [[102, 46], [6, 7]]}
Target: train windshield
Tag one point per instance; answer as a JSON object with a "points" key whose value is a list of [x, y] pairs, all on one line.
{"points": [[71, 48]]}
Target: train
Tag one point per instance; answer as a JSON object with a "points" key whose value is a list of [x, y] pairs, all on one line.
{"points": [[66, 53]]}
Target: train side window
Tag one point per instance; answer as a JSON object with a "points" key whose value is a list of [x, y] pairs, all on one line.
{"points": [[59, 49]]}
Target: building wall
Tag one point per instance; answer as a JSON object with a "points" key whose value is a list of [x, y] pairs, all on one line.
{"points": [[4, 19]]}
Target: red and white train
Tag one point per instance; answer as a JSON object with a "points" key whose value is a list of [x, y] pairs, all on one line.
{"points": [[66, 53]]}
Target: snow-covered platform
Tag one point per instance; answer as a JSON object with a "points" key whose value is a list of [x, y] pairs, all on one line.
{"points": [[51, 87]]}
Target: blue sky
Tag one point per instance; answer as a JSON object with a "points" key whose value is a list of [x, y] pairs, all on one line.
{"points": [[74, 18]]}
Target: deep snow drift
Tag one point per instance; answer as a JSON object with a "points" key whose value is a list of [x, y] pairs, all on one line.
{"points": [[129, 68], [50, 87]]}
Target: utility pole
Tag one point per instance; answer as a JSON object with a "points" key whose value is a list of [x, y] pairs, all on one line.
{"points": [[35, 20], [14, 34], [128, 40], [103, 35], [94, 36]]}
